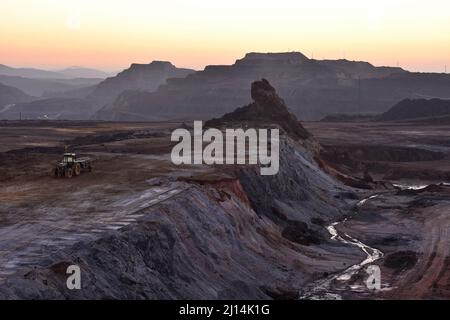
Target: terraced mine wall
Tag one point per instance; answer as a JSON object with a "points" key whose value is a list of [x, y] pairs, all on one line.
{"points": [[246, 236]]}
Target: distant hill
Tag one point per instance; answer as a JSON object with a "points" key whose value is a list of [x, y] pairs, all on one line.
{"points": [[342, 117], [29, 72], [83, 97], [80, 72], [47, 87], [417, 109], [10, 95], [54, 108], [146, 77], [312, 89]]}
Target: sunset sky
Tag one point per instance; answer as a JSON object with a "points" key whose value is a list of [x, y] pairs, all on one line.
{"points": [[111, 34]]}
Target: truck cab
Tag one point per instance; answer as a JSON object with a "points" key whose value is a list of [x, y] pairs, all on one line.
{"points": [[69, 158]]}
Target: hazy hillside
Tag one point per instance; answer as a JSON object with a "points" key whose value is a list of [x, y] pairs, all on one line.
{"points": [[49, 87], [146, 77], [81, 98], [55, 108], [312, 88], [10, 95], [80, 72], [29, 72]]}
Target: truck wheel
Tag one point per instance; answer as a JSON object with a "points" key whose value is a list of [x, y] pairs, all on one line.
{"points": [[69, 173], [90, 168], [77, 170]]}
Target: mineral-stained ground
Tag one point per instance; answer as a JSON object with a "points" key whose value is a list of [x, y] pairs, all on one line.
{"points": [[140, 227]]}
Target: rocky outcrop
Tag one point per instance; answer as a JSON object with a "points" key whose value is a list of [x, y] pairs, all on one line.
{"points": [[268, 108]]}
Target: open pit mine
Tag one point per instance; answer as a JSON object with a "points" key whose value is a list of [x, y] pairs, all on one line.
{"points": [[346, 199]]}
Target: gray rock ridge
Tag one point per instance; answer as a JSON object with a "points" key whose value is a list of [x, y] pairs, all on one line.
{"points": [[248, 237]]}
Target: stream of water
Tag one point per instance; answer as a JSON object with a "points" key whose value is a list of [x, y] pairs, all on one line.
{"points": [[321, 290]]}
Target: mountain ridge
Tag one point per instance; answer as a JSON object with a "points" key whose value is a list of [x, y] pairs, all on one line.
{"points": [[146, 77], [29, 72], [83, 72], [10, 95], [217, 89]]}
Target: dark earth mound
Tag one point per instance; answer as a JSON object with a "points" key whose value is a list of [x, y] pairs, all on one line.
{"points": [[419, 108], [344, 117], [401, 261], [299, 232]]}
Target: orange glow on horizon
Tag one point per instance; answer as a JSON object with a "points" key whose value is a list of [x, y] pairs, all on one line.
{"points": [[111, 35]]}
